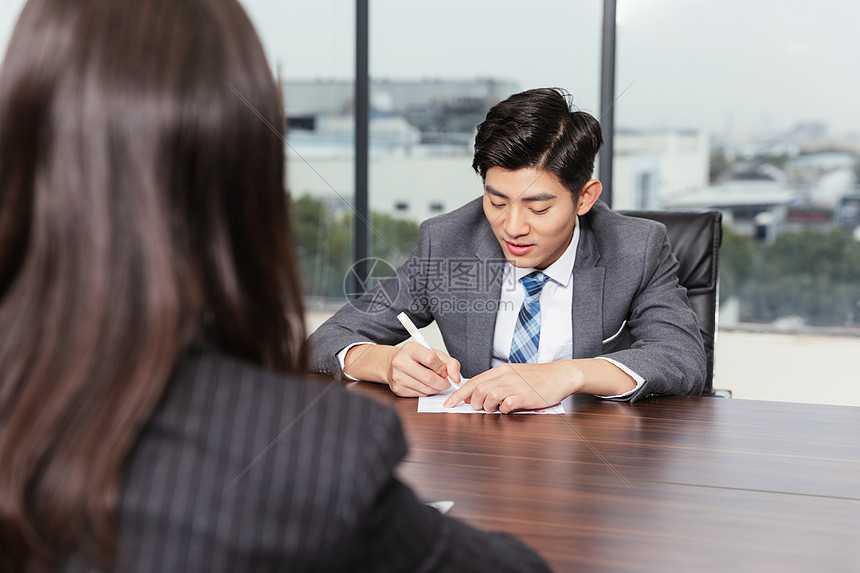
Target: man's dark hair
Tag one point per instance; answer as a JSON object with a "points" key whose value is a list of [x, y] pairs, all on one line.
{"points": [[538, 129]]}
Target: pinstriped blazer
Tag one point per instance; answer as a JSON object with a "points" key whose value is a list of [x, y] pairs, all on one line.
{"points": [[627, 303], [244, 470]]}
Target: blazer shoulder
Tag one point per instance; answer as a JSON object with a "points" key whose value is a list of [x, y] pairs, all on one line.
{"points": [[456, 222], [615, 232], [462, 232], [289, 399], [605, 220], [276, 465]]}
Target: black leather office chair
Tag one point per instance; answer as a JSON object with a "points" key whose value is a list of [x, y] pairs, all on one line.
{"points": [[695, 237]]}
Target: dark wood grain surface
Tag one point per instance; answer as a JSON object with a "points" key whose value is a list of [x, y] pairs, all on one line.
{"points": [[666, 484]]}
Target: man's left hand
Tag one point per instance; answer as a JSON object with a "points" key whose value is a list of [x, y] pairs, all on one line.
{"points": [[510, 387]]}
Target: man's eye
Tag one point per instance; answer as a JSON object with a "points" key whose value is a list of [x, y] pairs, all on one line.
{"points": [[540, 211], [497, 205]]}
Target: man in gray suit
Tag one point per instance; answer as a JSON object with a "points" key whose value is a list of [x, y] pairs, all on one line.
{"points": [[538, 288]]}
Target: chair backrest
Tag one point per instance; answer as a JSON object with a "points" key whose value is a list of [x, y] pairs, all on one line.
{"points": [[695, 237]]}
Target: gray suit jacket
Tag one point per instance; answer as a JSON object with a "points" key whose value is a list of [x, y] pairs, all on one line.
{"points": [[627, 303], [240, 469]]}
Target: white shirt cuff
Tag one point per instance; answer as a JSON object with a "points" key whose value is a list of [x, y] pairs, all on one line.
{"points": [[341, 357], [639, 380]]}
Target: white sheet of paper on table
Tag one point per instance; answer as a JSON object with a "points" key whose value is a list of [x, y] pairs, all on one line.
{"points": [[433, 404], [441, 506]]}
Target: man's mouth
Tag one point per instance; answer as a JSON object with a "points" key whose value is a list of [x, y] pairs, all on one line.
{"points": [[519, 249]]}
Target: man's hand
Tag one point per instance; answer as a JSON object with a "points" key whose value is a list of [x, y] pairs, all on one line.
{"points": [[419, 371], [510, 387], [410, 370]]}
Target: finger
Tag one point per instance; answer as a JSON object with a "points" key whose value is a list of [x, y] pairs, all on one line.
{"points": [[428, 358], [510, 404], [408, 387], [423, 379], [425, 356], [480, 394], [493, 398], [406, 392], [495, 373], [402, 383], [417, 362], [463, 394], [452, 366], [432, 380]]}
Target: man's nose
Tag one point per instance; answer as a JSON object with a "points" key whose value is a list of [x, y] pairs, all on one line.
{"points": [[515, 223]]}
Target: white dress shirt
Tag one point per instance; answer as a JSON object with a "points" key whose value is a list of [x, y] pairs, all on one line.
{"points": [[556, 300]]}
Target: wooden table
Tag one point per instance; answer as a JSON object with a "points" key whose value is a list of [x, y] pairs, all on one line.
{"points": [[666, 484]]}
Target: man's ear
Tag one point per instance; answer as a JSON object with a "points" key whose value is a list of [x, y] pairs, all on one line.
{"points": [[590, 193]]}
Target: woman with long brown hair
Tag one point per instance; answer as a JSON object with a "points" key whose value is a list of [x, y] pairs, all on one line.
{"points": [[151, 321]]}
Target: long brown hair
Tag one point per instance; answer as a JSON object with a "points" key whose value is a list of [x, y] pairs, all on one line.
{"points": [[142, 208]]}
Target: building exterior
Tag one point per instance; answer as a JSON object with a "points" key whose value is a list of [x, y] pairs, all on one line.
{"points": [[652, 168], [412, 187], [754, 208], [444, 111]]}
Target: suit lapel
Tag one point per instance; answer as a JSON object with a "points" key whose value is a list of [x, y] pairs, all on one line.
{"points": [[481, 325], [587, 307]]}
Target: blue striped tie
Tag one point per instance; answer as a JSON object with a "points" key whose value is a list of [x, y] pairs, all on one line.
{"points": [[524, 345]]}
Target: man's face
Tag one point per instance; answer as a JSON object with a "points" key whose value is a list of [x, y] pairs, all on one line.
{"points": [[532, 214]]}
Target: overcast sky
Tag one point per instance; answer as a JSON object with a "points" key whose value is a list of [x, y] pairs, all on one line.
{"points": [[739, 65]]}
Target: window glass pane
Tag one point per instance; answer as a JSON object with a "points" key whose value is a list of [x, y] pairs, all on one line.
{"points": [[311, 46], [751, 108], [436, 69]]}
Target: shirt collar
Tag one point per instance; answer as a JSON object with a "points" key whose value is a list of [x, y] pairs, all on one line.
{"points": [[562, 269]]}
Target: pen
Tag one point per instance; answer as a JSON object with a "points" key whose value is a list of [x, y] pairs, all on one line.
{"points": [[418, 337]]}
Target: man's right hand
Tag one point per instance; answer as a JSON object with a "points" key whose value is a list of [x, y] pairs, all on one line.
{"points": [[410, 370]]}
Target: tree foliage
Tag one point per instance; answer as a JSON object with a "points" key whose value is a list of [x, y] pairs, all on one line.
{"points": [[323, 239], [812, 274]]}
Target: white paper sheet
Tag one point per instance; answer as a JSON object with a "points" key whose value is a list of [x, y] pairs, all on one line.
{"points": [[433, 404], [441, 506]]}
